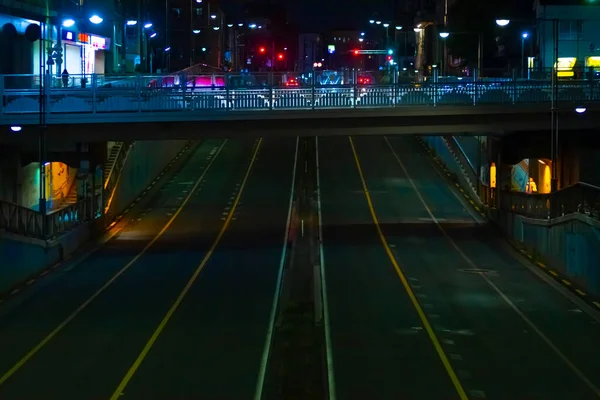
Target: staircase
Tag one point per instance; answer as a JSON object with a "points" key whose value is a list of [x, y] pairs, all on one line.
{"points": [[112, 159], [467, 170]]}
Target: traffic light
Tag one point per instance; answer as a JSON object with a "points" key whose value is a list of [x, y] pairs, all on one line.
{"points": [[280, 56], [389, 58], [356, 52], [262, 50]]}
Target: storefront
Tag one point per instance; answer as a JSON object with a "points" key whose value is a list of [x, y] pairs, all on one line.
{"points": [[84, 53]]}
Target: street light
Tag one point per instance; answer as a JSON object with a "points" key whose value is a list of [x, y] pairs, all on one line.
{"points": [[152, 35], [378, 22], [524, 36], [148, 25], [445, 35], [196, 31], [168, 48], [252, 26], [131, 22], [240, 24], [95, 19], [216, 28], [230, 25], [213, 16], [15, 128], [371, 21], [362, 34], [417, 29], [502, 22], [578, 110], [67, 23], [386, 25], [398, 28]]}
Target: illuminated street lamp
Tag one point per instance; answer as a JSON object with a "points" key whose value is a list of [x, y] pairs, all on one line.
{"points": [[67, 23], [95, 19], [502, 22], [398, 28], [444, 35], [131, 22], [148, 25]]}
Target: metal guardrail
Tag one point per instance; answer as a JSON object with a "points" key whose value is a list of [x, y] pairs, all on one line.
{"points": [[144, 96], [581, 197], [27, 222]]}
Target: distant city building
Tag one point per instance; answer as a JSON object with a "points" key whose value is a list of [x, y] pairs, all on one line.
{"points": [[311, 49], [195, 34], [578, 36]]}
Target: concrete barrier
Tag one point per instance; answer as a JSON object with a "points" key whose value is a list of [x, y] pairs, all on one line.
{"points": [[568, 244], [22, 258]]}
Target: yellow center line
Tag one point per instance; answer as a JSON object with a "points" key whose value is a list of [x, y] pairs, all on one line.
{"points": [[136, 364], [79, 309], [500, 293], [432, 336]]}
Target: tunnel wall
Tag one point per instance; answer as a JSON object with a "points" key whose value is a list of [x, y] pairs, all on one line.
{"points": [[23, 257], [145, 161], [569, 244]]}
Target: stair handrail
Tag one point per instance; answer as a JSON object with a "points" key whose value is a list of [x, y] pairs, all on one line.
{"points": [[464, 154], [112, 180]]}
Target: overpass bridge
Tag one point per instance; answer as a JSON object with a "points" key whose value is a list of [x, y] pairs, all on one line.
{"points": [[168, 111]]}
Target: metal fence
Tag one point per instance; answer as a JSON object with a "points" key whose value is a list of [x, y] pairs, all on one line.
{"points": [[581, 197], [27, 222], [146, 93]]}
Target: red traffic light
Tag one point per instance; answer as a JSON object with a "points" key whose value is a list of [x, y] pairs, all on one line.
{"points": [[356, 52], [280, 56], [389, 58], [262, 50]]}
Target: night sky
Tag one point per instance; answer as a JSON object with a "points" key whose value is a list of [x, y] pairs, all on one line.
{"points": [[324, 15]]}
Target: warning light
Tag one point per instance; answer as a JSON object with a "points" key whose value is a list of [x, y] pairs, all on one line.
{"points": [[280, 56], [356, 52], [262, 50], [389, 58]]}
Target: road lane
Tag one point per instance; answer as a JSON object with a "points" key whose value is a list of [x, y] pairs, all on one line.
{"points": [[90, 355], [213, 344], [379, 346], [496, 352]]}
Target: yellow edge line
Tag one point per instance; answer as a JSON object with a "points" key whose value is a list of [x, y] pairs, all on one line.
{"points": [[542, 336], [432, 336], [136, 364], [79, 309]]}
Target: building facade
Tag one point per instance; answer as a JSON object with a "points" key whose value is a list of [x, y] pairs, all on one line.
{"points": [[578, 36], [195, 33]]}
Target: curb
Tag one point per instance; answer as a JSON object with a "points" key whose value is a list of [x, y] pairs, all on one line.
{"points": [[20, 286], [518, 246]]}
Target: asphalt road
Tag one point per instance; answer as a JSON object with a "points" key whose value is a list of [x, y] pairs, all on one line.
{"points": [[55, 345], [502, 332], [423, 301]]}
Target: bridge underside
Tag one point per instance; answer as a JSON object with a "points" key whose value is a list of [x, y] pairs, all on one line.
{"points": [[495, 121]]}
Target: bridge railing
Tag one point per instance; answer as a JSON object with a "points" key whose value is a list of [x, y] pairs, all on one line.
{"points": [[28, 222], [581, 197], [147, 93]]}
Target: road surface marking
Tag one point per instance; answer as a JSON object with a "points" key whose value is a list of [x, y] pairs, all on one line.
{"points": [[430, 332], [580, 292], [140, 358], [448, 341], [86, 303], [455, 357], [477, 394], [260, 382], [504, 297], [324, 300]]}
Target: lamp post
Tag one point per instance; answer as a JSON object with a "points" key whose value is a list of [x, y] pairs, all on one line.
{"points": [[554, 99], [524, 36], [445, 35]]}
